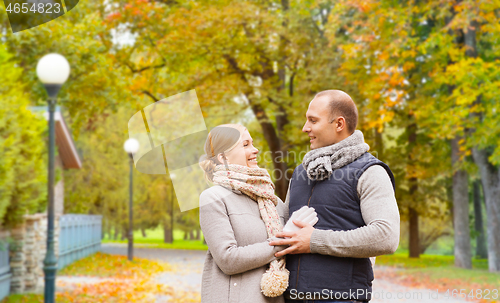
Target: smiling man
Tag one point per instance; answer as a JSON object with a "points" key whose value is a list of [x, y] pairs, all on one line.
{"points": [[353, 195]]}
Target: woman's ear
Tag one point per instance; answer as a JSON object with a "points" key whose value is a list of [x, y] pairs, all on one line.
{"points": [[220, 157]]}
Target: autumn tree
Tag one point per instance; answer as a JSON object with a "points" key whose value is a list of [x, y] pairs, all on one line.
{"points": [[379, 42], [270, 57], [23, 164], [463, 78], [93, 86]]}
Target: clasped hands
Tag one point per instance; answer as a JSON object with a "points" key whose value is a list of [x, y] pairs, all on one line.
{"points": [[297, 232]]}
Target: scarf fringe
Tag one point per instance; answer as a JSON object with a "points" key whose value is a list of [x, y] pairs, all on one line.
{"points": [[274, 282]]}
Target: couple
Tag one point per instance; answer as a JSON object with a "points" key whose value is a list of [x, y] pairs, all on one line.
{"points": [[242, 219]]}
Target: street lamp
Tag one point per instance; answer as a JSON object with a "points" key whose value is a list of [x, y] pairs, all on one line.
{"points": [[131, 146], [53, 71]]}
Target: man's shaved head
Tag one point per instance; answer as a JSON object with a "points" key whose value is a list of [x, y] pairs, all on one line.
{"points": [[341, 104]]}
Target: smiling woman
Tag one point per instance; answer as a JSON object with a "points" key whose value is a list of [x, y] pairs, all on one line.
{"points": [[237, 216]]}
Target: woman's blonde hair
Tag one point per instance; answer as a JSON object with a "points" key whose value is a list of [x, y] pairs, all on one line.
{"points": [[221, 139]]}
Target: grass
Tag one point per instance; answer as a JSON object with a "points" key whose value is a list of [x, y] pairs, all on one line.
{"points": [[401, 260], [154, 239]]}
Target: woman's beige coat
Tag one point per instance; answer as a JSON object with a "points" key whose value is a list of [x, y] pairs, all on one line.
{"points": [[238, 250]]}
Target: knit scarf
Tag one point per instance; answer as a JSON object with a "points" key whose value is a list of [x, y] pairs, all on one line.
{"points": [[321, 162], [256, 184]]}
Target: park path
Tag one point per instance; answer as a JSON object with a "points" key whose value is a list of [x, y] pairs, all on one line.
{"points": [[189, 266]]}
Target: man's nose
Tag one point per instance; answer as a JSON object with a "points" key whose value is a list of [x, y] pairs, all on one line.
{"points": [[306, 129]]}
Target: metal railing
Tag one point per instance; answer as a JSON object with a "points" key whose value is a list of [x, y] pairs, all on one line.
{"points": [[79, 236], [5, 273]]}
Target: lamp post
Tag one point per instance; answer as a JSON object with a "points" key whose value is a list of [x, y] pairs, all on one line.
{"points": [[52, 70], [131, 146]]}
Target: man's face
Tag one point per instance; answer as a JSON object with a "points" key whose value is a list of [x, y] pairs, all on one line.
{"points": [[320, 131]]}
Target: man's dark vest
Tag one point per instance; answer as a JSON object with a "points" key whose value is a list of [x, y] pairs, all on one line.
{"points": [[337, 204]]}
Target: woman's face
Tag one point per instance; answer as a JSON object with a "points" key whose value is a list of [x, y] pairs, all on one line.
{"points": [[244, 153]]}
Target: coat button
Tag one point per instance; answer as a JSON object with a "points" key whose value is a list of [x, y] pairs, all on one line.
{"points": [[235, 284]]}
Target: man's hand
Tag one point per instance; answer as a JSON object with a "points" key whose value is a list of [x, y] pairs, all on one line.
{"points": [[299, 241]]}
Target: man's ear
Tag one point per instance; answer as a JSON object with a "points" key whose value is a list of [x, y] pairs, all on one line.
{"points": [[340, 124]]}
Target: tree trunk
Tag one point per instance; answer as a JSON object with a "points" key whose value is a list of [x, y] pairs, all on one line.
{"points": [[490, 174], [463, 257], [115, 237], [491, 186], [168, 234], [481, 250], [414, 241], [413, 182], [143, 231], [191, 235], [198, 234], [277, 153], [171, 227], [185, 235]]}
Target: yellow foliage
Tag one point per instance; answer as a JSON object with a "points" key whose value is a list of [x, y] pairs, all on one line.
{"points": [[408, 66]]}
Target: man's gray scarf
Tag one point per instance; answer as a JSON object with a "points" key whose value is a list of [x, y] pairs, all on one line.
{"points": [[321, 162]]}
